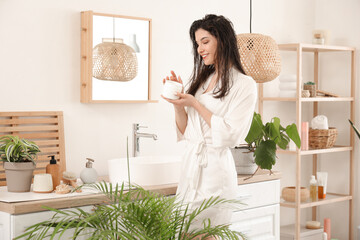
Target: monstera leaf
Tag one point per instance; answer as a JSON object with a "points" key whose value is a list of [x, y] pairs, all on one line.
{"points": [[264, 139], [265, 154]]}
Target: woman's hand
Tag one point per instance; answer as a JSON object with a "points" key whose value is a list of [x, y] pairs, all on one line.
{"points": [[173, 77], [185, 100]]}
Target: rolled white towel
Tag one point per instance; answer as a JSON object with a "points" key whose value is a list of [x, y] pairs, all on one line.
{"points": [[319, 122], [287, 86], [287, 93], [287, 78]]}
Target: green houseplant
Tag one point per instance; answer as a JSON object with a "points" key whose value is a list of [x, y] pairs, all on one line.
{"points": [[132, 215], [263, 140], [18, 156]]}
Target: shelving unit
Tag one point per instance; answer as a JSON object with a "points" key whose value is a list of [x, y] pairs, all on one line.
{"points": [[300, 49]]}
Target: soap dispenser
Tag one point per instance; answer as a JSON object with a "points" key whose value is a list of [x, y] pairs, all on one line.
{"points": [[53, 169], [88, 174]]}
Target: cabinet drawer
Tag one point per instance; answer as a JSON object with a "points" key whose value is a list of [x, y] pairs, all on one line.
{"points": [[259, 194], [258, 223]]}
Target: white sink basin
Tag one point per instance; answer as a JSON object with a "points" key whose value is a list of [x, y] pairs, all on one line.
{"points": [[145, 171]]}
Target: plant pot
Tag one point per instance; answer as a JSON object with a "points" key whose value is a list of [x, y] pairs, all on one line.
{"points": [[244, 161], [18, 176], [311, 88]]}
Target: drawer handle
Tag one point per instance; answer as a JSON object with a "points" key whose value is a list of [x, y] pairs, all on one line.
{"points": [[243, 197]]}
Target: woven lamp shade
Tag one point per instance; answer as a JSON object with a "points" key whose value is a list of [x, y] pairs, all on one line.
{"points": [[114, 62], [260, 56]]}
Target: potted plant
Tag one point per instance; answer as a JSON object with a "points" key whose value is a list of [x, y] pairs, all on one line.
{"points": [[311, 86], [263, 140], [18, 156], [131, 215]]}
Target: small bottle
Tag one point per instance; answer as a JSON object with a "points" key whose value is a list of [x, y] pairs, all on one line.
{"points": [[53, 169], [313, 186], [305, 136], [88, 174], [320, 189]]}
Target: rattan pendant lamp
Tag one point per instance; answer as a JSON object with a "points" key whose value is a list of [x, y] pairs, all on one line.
{"points": [[113, 60], [259, 55]]}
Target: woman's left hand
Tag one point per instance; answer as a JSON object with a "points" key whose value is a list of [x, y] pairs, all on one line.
{"points": [[185, 100]]}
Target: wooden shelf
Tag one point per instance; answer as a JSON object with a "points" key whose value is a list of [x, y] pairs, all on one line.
{"points": [[328, 99], [314, 99], [306, 47], [123, 101], [327, 150], [318, 151], [330, 198], [278, 99], [299, 50]]}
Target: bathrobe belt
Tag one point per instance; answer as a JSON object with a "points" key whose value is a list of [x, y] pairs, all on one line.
{"points": [[201, 161]]}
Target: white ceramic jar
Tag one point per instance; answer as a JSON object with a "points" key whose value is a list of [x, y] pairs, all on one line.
{"points": [[43, 183], [171, 88]]}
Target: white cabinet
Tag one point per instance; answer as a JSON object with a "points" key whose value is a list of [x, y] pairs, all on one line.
{"points": [[15, 225], [260, 217]]}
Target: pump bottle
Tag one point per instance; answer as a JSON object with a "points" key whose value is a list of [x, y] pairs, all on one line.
{"points": [[53, 169], [88, 174]]}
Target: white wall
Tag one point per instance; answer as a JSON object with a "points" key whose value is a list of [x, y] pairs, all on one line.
{"points": [[40, 65]]}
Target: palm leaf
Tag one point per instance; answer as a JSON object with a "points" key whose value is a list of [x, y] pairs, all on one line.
{"points": [[355, 129], [135, 214]]}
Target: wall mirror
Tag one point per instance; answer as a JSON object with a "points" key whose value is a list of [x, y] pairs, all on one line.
{"points": [[115, 58]]}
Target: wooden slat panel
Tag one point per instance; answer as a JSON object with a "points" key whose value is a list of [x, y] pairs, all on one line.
{"points": [[45, 157], [30, 128], [36, 120], [30, 114], [49, 149], [44, 128], [42, 164], [39, 135], [62, 146], [47, 142]]}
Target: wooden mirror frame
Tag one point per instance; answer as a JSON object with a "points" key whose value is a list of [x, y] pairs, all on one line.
{"points": [[86, 88]]}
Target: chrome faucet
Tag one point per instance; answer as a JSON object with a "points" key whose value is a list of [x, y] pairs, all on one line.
{"points": [[136, 138]]}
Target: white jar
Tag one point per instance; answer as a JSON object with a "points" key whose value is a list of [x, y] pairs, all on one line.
{"points": [[42, 183], [171, 88]]}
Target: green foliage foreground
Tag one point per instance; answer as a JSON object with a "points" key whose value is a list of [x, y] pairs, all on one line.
{"points": [[134, 214]]}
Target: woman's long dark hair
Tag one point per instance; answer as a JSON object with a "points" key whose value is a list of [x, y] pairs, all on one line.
{"points": [[227, 54]]}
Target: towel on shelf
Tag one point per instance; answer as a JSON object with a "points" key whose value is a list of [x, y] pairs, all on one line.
{"points": [[287, 78], [319, 122]]}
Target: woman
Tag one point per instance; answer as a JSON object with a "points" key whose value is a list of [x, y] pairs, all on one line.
{"points": [[214, 114]]}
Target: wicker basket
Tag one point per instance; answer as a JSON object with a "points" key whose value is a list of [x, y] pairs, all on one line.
{"points": [[322, 138]]}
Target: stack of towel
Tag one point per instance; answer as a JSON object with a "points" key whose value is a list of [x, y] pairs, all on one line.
{"points": [[287, 85], [319, 122]]}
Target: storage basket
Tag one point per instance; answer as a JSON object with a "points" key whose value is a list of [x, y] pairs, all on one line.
{"points": [[322, 138]]}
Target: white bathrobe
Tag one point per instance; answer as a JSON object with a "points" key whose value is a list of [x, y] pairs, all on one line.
{"points": [[208, 167]]}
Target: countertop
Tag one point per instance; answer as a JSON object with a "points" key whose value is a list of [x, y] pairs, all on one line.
{"points": [[91, 199]]}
